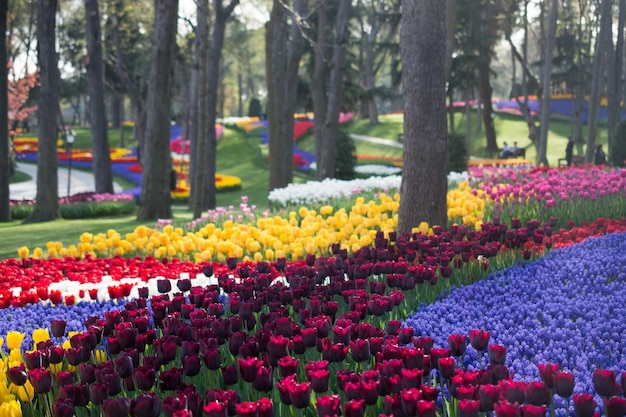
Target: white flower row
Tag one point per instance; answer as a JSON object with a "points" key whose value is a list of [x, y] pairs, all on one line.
{"points": [[313, 192], [377, 169]]}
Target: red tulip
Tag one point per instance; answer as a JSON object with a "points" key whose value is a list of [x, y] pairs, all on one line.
{"points": [[564, 384], [247, 409], [604, 382], [536, 393], [584, 405], [41, 379], [457, 343], [300, 394], [488, 395], [446, 367], [18, 375], [497, 354], [547, 372], [479, 339], [530, 410], [506, 409], [426, 408], [616, 407], [468, 408], [328, 405], [354, 408]]}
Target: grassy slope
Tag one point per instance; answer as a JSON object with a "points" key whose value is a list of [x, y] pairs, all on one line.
{"points": [[240, 156]]}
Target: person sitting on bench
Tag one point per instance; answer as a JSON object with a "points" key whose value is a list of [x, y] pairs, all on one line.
{"points": [[506, 151]]}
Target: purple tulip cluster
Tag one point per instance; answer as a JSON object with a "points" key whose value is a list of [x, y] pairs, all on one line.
{"points": [[567, 308], [86, 197]]}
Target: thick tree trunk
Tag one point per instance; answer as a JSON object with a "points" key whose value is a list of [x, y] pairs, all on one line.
{"points": [[95, 82], [425, 159], [318, 84], [284, 47], [47, 205], [5, 157], [193, 117], [597, 78], [487, 108], [450, 31], [155, 184], [547, 78], [215, 54], [199, 154]]}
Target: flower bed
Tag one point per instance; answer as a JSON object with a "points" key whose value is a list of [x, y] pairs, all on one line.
{"points": [[80, 206]]}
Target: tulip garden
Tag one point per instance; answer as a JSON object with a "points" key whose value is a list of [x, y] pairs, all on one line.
{"points": [[319, 308]]}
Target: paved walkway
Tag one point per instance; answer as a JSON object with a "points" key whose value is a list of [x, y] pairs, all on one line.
{"points": [[80, 182], [379, 141]]}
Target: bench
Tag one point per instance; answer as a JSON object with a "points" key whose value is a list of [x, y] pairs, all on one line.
{"points": [[576, 160], [519, 153]]}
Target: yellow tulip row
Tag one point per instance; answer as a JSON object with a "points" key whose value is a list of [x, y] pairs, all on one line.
{"points": [[292, 236]]}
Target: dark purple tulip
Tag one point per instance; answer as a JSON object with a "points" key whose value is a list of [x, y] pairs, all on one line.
{"points": [[411, 378], [584, 405], [171, 379], [98, 392], [547, 372], [446, 367], [506, 409], [429, 393], [57, 328], [183, 284], [564, 384], [229, 374], [265, 407], [354, 408], [488, 395], [116, 407], [36, 359], [426, 408], [616, 407], [231, 263], [497, 354], [319, 379], [468, 408], [124, 366], [457, 343], [56, 354], [328, 405], [287, 365], [145, 405], [64, 378], [17, 375], [536, 393], [113, 383], [264, 380], [604, 382], [247, 409], [513, 391], [41, 379], [212, 359], [409, 398], [74, 356], [360, 350], [63, 407], [144, 377], [530, 410], [164, 285], [172, 404], [300, 394], [215, 409], [191, 365], [405, 335]]}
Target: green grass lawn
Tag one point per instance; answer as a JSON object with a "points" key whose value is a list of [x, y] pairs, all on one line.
{"points": [[19, 176]]}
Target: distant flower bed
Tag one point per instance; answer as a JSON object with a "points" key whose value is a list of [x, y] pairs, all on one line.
{"points": [[80, 206], [31, 146], [372, 169]]}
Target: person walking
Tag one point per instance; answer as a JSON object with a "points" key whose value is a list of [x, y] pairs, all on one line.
{"points": [[599, 157]]}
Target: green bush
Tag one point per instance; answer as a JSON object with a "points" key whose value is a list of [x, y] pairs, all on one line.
{"points": [[254, 110], [346, 160], [617, 156], [80, 210], [457, 153]]}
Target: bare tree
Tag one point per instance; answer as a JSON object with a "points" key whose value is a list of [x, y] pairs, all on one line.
{"points": [[155, 183], [103, 174], [284, 46], [5, 162], [327, 101], [47, 199], [425, 160]]}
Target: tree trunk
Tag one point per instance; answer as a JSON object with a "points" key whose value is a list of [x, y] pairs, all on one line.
{"points": [[614, 83], [155, 183], [193, 118], [597, 78], [103, 174], [47, 205], [450, 31], [115, 102], [487, 108], [547, 77], [202, 32], [213, 74], [283, 50], [318, 84], [121, 116], [425, 158], [5, 156]]}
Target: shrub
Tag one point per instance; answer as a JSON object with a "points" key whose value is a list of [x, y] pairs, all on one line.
{"points": [[457, 153], [346, 160], [617, 155], [254, 110]]}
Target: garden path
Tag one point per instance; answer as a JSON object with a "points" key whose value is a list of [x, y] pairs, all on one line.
{"points": [[81, 181]]}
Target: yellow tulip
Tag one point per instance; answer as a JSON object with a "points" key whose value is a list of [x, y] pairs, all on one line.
{"points": [[23, 252], [25, 393], [40, 335], [14, 339]]}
